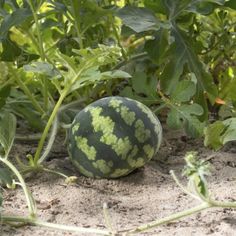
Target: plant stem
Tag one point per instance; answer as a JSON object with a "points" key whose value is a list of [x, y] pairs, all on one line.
{"points": [[36, 222], [108, 219], [41, 51], [75, 6], [55, 172], [30, 96], [185, 190], [34, 137], [40, 41], [48, 126], [159, 108], [133, 58], [27, 92], [223, 204], [45, 93], [29, 200], [51, 140], [119, 42], [37, 159], [170, 218]]}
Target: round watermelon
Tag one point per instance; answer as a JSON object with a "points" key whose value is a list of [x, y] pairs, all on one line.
{"points": [[113, 136]]}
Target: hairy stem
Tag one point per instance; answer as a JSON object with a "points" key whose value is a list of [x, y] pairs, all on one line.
{"points": [[27, 92], [35, 222], [40, 41], [50, 141], [48, 126], [29, 200], [170, 218], [75, 10]]}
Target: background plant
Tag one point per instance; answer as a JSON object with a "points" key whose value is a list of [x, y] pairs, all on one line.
{"points": [[178, 57]]}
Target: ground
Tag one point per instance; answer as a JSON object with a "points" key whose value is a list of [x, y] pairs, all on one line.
{"points": [[145, 195]]}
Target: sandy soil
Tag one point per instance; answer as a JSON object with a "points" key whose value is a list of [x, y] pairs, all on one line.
{"points": [[145, 195]]}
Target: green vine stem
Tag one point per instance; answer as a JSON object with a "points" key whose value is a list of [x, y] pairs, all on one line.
{"points": [[29, 199], [55, 126], [40, 41], [179, 215], [54, 113], [75, 12], [119, 42], [48, 126], [55, 172], [29, 137], [206, 204], [41, 50], [168, 219], [133, 58], [27, 91], [51, 140], [36, 222]]}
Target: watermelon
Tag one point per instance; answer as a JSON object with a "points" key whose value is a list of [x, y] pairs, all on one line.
{"points": [[113, 136]]}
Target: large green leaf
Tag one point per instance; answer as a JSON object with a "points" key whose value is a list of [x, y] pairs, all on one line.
{"points": [[17, 17], [172, 72], [158, 47], [40, 67], [7, 132], [4, 93], [231, 4], [143, 88], [205, 7], [213, 134], [185, 116], [157, 6], [181, 54], [183, 44], [87, 70], [220, 132], [25, 110], [230, 132], [183, 92], [138, 19], [10, 50], [5, 177], [116, 74], [144, 84]]}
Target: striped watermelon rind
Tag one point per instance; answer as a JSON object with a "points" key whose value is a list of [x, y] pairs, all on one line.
{"points": [[113, 136]]}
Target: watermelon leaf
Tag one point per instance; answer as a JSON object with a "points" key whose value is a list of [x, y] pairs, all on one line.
{"points": [[5, 177], [219, 133], [40, 67], [138, 19], [184, 91], [196, 170], [185, 116], [7, 132]]}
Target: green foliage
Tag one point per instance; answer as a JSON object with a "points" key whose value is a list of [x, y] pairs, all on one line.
{"points": [[178, 55], [220, 133], [138, 19], [191, 46], [5, 177], [7, 133], [196, 170], [181, 49], [185, 116]]}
